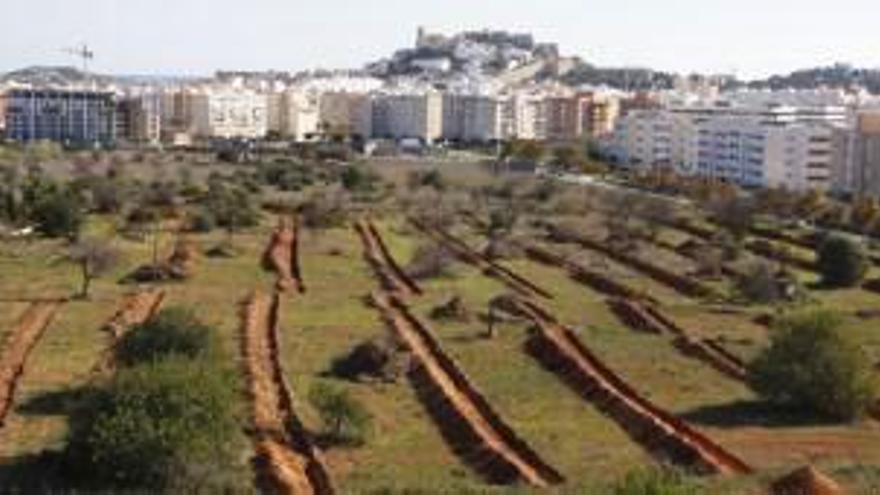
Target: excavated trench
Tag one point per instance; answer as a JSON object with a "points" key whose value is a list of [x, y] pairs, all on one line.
{"points": [[495, 270], [281, 255], [758, 248], [135, 308], [666, 437], [392, 277], [17, 347], [476, 433], [645, 318], [473, 430], [685, 286], [581, 274], [286, 460]]}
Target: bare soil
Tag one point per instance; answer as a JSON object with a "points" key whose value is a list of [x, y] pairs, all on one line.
{"points": [[285, 458], [18, 346]]}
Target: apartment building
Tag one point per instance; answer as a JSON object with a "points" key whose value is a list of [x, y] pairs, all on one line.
{"points": [[773, 146], [346, 114], [294, 114], [523, 116], [408, 115], [139, 118], [599, 114], [70, 117], [2, 111], [472, 118], [228, 113], [857, 156]]}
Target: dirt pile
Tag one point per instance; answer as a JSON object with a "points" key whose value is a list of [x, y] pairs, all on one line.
{"points": [[279, 253], [805, 481], [17, 347], [181, 264], [135, 309]]}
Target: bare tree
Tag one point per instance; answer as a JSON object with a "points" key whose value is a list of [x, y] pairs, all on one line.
{"points": [[94, 258]]}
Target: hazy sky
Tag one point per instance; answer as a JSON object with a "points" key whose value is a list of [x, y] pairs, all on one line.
{"points": [[750, 37]]}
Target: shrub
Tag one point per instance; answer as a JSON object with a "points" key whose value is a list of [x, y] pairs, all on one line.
{"points": [[432, 179], [379, 358], [346, 420], [811, 364], [359, 179], [169, 426], [174, 331], [202, 220], [108, 196], [430, 261], [758, 284], [59, 215], [841, 262], [233, 207], [323, 211]]}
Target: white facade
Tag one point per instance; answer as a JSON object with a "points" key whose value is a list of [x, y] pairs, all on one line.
{"points": [[293, 114], [523, 116], [408, 115], [757, 147], [229, 113], [346, 114]]}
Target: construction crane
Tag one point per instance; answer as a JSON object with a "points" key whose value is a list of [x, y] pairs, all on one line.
{"points": [[82, 52], [85, 54]]}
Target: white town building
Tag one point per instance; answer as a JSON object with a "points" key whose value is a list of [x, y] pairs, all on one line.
{"points": [[229, 113]]}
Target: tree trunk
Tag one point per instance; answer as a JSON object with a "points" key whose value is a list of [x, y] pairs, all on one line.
{"points": [[86, 280]]}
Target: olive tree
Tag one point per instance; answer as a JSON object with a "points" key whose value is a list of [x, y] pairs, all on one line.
{"points": [[94, 257]]}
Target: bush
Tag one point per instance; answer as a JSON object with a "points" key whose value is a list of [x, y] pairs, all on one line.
{"points": [[430, 261], [346, 420], [431, 179], [59, 215], [359, 179], [841, 262], [171, 425], [323, 211], [233, 208], [379, 358], [811, 364], [759, 284], [202, 220], [174, 331]]}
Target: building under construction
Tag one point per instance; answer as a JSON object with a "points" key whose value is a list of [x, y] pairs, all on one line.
{"points": [[76, 118]]}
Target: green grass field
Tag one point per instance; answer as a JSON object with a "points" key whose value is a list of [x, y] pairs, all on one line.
{"points": [[405, 452]]}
